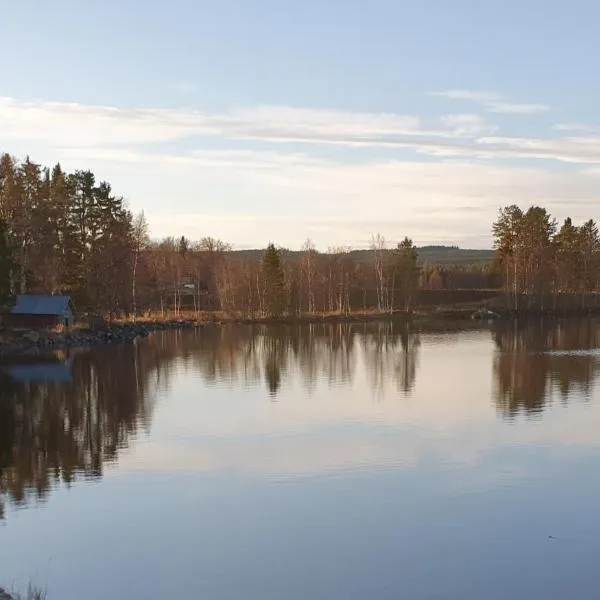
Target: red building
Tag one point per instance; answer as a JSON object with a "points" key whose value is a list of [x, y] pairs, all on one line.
{"points": [[41, 312]]}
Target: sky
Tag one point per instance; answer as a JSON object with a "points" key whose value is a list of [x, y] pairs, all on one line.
{"points": [[273, 120]]}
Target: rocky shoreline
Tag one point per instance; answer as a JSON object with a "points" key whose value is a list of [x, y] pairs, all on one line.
{"points": [[26, 341]]}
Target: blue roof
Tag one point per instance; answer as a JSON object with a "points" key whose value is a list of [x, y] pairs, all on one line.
{"points": [[29, 304]]}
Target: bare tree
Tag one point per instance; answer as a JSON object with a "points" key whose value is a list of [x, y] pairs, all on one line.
{"points": [[308, 267], [378, 248], [140, 241]]}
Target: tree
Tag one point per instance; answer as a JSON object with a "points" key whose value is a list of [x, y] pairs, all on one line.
{"points": [[405, 272], [140, 240], [568, 257], [7, 265], [507, 239], [308, 267], [536, 238], [590, 251], [274, 282], [378, 249], [524, 242]]}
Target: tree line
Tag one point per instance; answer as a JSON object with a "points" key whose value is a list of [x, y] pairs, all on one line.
{"points": [[540, 261], [68, 233]]}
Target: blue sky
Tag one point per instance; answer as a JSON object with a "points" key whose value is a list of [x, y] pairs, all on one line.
{"points": [[335, 120]]}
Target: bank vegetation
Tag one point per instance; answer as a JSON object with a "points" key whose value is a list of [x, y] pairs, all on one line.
{"points": [[68, 233]]}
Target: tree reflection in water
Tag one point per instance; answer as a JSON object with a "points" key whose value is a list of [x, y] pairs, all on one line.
{"points": [[56, 430], [536, 362]]}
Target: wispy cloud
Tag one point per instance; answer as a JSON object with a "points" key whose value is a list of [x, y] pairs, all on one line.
{"points": [[108, 129], [576, 128], [139, 150], [88, 125], [468, 125], [494, 103], [299, 196]]}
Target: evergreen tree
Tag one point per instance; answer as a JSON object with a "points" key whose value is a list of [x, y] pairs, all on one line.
{"points": [[183, 245], [405, 271], [568, 257], [274, 282], [589, 242]]}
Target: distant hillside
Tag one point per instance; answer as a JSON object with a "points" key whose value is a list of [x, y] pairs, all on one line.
{"points": [[454, 255], [438, 255]]}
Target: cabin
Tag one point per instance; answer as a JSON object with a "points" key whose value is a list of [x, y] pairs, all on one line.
{"points": [[41, 312]]}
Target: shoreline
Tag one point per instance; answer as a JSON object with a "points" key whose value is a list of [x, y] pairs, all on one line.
{"points": [[27, 342]]}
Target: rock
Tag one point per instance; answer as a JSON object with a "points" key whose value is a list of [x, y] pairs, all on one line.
{"points": [[31, 336], [484, 313]]}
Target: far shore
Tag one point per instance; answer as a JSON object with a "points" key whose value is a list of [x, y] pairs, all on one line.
{"points": [[122, 330]]}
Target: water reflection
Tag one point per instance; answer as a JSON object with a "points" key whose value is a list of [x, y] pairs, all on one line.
{"points": [[67, 416], [61, 417], [538, 361], [250, 355]]}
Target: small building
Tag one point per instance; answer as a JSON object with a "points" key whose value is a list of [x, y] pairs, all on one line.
{"points": [[41, 312]]}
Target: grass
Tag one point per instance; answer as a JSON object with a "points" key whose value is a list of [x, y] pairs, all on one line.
{"points": [[33, 593]]}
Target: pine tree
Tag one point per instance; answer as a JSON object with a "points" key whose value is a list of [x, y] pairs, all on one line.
{"points": [[568, 257], [405, 271], [274, 282]]}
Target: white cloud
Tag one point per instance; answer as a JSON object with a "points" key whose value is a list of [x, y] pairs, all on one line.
{"points": [[573, 150], [79, 126], [249, 197], [244, 195], [85, 125], [578, 127], [244, 159], [494, 103], [582, 150], [467, 125]]}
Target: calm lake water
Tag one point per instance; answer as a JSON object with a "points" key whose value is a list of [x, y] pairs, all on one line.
{"points": [[315, 462]]}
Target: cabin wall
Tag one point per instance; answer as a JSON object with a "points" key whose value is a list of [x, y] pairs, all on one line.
{"points": [[35, 321]]}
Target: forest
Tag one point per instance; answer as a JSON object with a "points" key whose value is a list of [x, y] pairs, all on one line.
{"points": [[68, 233]]}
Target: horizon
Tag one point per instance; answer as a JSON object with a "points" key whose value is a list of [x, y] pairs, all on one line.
{"points": [[390, 245], [324, 121]]}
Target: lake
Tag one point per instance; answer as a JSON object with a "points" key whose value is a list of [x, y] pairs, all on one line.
{"points": [[311, 462]]}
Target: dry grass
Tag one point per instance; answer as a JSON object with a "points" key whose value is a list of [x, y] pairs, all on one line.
{"points": [[33, 593], [214, 316], [220, 316]]}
